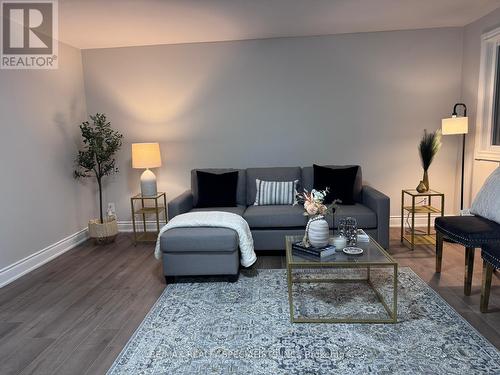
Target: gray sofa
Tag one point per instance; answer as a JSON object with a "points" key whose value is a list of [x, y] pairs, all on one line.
{"points": [[270, 224]]}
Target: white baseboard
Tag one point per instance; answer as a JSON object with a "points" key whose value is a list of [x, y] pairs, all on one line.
{"points": [[420, 221], [16, 270], [126, 225], [395, 221], [28, 264]]}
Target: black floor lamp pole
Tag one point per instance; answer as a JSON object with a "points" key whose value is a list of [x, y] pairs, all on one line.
{"points": [[463, 154], [462, 182]]}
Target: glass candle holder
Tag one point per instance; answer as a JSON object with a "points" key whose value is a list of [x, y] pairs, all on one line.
{"points": [[351, 231], [339, 242]]}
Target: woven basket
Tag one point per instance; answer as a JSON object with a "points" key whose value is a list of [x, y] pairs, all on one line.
{"points": [[103, 232]]}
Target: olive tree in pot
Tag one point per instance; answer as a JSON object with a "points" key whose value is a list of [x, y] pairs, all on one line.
{"points": [[96, 160]]}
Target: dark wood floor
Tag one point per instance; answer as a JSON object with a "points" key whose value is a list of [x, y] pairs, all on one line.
{"points": [[75, 314]]}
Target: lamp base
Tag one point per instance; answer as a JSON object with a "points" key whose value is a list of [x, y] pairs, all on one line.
{"points": [[148, 184]]}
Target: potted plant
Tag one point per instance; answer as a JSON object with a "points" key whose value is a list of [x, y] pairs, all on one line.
{"points": [[317, 232], [96, 159], [428, 148]]}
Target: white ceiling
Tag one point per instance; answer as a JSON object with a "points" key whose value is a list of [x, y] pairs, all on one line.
{"points": [[118, 23]]}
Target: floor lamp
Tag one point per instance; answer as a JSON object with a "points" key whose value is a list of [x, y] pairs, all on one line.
{"points": [[457, 125]]}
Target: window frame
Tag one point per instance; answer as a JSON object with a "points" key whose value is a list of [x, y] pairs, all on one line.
{"points": [[485, 149]]}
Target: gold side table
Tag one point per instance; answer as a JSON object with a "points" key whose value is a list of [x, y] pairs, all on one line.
{"points": [[418, 208], [145, 209]]}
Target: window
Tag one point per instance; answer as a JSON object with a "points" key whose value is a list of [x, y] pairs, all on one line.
{"points": [[488, 106], [496, 113]]}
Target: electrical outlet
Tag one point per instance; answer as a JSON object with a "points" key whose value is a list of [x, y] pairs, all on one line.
{"points": [[111, 208]]}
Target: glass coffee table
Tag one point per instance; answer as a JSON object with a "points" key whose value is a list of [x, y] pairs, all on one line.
{"points": [[342, 288]]}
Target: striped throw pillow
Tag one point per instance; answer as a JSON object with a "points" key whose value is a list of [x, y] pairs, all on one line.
{"points": [[275, 192]]}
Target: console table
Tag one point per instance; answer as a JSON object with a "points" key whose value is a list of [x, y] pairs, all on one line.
{"points": [[421, 203]]}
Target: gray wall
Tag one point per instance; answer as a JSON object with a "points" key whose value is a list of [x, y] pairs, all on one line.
{"points": [[41, 203], [476, 171], [355, 98]]}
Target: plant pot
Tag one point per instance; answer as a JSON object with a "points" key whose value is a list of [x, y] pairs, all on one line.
{"points": [[318, 231], [103, 233]]}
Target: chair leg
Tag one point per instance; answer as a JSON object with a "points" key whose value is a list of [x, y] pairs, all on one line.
{"points": [[469, 269], [486, 286], [439, 251]]}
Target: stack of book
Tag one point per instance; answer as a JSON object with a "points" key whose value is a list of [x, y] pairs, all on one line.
{"points": [[317, 252], [362, 236]]}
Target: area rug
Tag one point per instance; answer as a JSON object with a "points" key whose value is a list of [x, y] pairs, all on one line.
{"points": [[244, 328]]}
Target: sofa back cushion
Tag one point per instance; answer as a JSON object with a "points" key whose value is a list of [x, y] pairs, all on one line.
{"points": [[272, 193], [241, 185], [308, 179], [269, 174], [217, 189]]}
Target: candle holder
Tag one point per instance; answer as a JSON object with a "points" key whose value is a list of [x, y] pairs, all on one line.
{"points": [[348, 228]]}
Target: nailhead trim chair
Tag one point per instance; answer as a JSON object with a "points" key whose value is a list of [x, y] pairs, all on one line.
{"points": [[469, 231], [491, 262]]}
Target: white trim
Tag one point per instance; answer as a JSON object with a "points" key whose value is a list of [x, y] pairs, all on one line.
{"points": [[484, 149], [420, 221], [395, 221], [126, 225], [22, 267]]}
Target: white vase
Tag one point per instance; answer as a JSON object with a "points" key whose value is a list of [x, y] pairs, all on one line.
{"points": [[318, 231]]}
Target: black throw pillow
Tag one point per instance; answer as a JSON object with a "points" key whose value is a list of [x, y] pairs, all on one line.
{"points": [[339, 180], [217, 190]]}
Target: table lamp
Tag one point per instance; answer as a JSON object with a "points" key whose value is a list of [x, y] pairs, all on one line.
{"points": [[146, 155], [457, 125]]}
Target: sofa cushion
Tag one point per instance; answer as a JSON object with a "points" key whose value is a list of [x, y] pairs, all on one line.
{"points": [[240, 189], [269, 174], [271, 193], [235, 210], [217, 189], [308, 180], [275, 216], [203, 240], [338, 181], [365, 217]]}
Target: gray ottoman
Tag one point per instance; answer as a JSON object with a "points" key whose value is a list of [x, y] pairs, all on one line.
{"points": [[200, 252]]}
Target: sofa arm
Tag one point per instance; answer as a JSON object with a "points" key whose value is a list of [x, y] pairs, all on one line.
{"points": [[380, 204], [181, 204]]}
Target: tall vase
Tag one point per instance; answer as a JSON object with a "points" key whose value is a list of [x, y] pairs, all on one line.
{"points": [[423, 186], [318, 231], [426, 180]]}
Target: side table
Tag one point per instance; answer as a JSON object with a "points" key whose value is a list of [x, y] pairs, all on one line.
{"points": [[423, 206], [146, 208]]}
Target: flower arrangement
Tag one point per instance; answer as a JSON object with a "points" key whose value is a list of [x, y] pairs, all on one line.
{"points": [[313, 203], [315, 208]]}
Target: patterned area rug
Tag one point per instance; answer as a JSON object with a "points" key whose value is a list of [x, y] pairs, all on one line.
{"points": [[244, 328]]}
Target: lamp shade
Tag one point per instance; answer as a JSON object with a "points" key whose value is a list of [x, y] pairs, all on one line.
{"points": [[455, 125], [146, 155]]}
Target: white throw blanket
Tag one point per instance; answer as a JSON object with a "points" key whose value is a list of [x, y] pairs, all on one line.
{"points": [[215, 219]]}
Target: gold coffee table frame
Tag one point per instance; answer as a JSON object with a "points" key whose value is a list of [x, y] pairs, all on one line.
{"points": [[298, 262]]}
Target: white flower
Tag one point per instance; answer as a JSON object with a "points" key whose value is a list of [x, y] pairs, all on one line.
{"points": [[318, 195]]}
